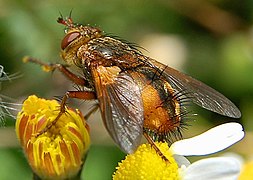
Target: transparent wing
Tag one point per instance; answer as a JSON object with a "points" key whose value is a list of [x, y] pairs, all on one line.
{"points": [[121, 107], [198, 92]]}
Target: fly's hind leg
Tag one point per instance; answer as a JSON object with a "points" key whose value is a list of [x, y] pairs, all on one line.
{"points": [[153, 145]]}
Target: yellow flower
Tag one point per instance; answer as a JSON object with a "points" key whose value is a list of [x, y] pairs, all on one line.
{"points": [[247, 171], [146, 164], [58, 153]]}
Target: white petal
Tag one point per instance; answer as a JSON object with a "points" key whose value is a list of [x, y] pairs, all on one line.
{"points": [[221, 168], [237, 157], [211, 141], [181, 160]]}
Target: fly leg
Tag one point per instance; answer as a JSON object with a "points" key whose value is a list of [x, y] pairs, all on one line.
{"points": [[153, 145], [62, 68], [94, 108], [86, 95]]}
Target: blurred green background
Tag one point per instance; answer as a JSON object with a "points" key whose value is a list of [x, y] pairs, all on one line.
{"points": [[210, 40]]}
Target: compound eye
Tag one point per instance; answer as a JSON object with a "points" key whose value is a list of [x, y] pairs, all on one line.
{"points": [[68, 39]]}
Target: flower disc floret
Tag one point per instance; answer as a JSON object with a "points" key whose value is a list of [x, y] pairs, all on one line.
{"points": [[146, 164]]}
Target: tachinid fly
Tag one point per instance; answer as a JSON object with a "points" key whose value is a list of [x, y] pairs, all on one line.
{"points": [[137, 95]]}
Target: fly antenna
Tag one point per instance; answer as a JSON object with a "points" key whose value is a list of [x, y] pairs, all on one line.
{"points": [[67, 21]]}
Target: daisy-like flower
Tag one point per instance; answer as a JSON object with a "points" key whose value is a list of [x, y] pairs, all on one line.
{"points": [[57, 153], [146, 164]]}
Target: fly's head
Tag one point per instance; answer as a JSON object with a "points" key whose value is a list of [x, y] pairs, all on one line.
{"points": [[76, 35]]}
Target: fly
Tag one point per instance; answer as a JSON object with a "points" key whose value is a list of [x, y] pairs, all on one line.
{"points": [[137, 95]]}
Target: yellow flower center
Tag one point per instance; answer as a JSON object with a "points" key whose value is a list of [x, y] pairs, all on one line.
{"points": [[146, 164]]}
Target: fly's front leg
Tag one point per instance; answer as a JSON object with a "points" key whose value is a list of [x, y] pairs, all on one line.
{"points": [[86, 95], [62, 68]]}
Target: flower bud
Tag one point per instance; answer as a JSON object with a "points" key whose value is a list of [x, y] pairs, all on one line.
{"points": [[57, 153]]}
